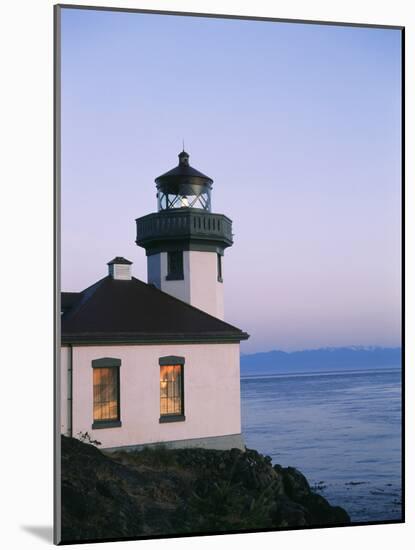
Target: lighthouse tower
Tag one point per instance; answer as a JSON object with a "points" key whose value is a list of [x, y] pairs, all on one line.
{"points": [[184, 240]]}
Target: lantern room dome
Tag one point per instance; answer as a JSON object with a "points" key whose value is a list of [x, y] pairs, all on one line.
{"points": [[183, 173], [183, 187]]}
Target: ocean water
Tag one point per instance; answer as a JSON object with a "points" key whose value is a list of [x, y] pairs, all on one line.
{"points": [[342, 430]]}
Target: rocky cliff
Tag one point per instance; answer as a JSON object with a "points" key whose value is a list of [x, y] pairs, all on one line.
{"points": [[164, 492]]}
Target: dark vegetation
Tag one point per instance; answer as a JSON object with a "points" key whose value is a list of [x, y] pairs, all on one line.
{"points": [[163, 491]]}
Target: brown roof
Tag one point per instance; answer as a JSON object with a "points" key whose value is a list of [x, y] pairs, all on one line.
{"points": [[115, 311], [68, 299]]}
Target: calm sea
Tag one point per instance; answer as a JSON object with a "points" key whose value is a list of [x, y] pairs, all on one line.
{"points": [[341, 430]]}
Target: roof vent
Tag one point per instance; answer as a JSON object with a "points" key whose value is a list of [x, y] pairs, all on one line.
{"points": [[183, 158], [120, 269]]}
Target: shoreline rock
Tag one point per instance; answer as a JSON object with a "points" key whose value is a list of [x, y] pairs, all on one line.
{"points": [[163, 491]]}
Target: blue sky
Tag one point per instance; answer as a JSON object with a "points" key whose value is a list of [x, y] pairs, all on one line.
{"points": [[298, 125]]}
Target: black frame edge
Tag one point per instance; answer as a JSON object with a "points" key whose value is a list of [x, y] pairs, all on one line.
{"points": [[227, 16], [403, 157], [57, 524]]}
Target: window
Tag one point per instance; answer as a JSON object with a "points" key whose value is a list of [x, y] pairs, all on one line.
{"points": [[219, 268], [175, 265], [171, 389], [106, 392]]}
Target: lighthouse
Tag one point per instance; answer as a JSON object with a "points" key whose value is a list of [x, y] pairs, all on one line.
{"points": [[186, 391], [184, 240]]}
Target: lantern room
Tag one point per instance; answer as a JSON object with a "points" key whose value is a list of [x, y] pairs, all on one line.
{"points": [[184, 187]]}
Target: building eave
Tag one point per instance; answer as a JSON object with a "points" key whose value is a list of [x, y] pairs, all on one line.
{"points": [[149, 339]]}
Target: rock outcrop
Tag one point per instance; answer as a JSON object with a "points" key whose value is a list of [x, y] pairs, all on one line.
{"points": [[165, 492]]}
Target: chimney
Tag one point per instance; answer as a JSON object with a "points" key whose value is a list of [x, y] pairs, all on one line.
{"points": [[120, 269]]}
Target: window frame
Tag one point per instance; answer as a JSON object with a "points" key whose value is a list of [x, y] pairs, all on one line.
{"points": [[171, 274], [105, 363], [219, 267], [173, 360]]}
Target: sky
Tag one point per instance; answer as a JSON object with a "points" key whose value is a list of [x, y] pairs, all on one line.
{"points": [[298, 125]]}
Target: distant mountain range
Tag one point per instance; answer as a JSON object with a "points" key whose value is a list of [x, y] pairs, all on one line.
{"points": [[324, 359]]}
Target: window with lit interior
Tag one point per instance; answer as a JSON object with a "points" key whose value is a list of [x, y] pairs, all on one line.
{"points": [[106, 393], [171, 389]]}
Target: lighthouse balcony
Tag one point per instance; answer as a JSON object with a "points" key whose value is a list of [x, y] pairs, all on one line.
{"points": [[192, 228]]}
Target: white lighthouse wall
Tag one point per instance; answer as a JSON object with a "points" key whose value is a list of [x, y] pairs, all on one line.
{"points": [[206, 292], [211, 393], [178, 289], [65, 364], [200, 286]]}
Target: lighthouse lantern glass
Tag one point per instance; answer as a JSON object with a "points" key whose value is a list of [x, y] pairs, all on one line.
{"points": [[170, 201]]}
